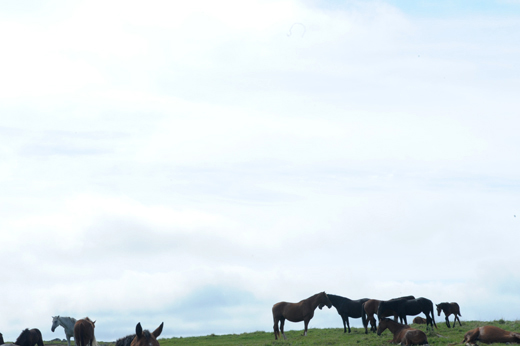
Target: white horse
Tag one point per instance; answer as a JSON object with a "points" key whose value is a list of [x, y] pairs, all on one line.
{"points": [[67, 323]]}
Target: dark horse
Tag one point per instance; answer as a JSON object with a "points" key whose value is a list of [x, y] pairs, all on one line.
{"points": [[84, 332], [403, 334], [30, 337], [297, 312], [449, 308], [347, 308], [141, 337], [410, 307], [370, 308]]}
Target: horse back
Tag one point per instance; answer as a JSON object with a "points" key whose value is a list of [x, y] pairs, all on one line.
{"points": [[412, 336]]}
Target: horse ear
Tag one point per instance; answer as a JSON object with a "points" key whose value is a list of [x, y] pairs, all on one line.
{"points": [[158, 331], [138, 330]]}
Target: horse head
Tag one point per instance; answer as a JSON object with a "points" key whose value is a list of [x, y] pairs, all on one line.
{"points": [[324, 300], [145, 338], [55, 322]]}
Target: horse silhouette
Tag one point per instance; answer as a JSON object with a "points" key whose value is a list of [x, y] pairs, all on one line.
{"points": [[347, 308]]}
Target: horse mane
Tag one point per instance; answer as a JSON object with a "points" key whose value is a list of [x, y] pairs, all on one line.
{"points": [[127, 340], [23, 337]]}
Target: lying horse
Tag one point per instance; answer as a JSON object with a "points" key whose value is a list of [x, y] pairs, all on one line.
{"points": [[410, 307], [489, 335], [403, 334], [347, 308], [449, 308], [370, 308], [30, 337], [297, 312], [419, 320], [141, 337], [84, 332]]}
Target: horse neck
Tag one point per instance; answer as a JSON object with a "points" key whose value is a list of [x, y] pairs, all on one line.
{"points": [[393, 326]]}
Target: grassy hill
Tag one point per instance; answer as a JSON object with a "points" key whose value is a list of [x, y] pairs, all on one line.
{"points": [[442, 336], [335, 336]]}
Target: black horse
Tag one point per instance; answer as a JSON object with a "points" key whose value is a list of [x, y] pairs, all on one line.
{"points": [[347, 308], [410, 307], [449, 308], [30, 337]]}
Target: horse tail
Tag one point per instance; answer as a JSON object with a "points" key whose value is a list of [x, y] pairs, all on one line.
{"points": [[364, 317], [433, 318]]}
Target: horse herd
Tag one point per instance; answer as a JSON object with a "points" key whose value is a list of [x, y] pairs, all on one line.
{"points": [[83, 332], [396, 308]]}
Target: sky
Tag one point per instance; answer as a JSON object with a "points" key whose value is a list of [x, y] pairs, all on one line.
{"points": [[194, 163]]}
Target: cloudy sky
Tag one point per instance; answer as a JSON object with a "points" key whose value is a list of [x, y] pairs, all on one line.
{"points": [[194, 163]]}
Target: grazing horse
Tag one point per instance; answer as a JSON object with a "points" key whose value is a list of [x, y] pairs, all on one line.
{"points": [[403, 334], [141, 337], [419, 320], [410, 307], [297, 312], [67, 323], [84, 332], [370, 308], [490, 335], [30, 337], [347, 308], [449, 308]]}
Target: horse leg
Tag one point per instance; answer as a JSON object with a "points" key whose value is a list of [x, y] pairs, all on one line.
{"points": [[344, 324], [348, 324], [275, 328], [457, 317], [68, 339], [448, 322], [373, 324], [306, 323], [282, 322]]}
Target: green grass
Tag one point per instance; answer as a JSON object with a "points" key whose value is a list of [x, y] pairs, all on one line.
{"points": [[335, 336]]}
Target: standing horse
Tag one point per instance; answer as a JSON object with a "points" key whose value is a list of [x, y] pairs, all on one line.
{"points": [[67, 323], [297, 312], [347, 308], [410, 307], [449, 308], [84, 332], [370, 308], [403, 334], [30, 337], [490, 335], [141, 337]]}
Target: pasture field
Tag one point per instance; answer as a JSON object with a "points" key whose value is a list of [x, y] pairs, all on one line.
{"points": [[335, 336], [443, 336]]}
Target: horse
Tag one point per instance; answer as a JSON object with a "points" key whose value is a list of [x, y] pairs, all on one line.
{"points": [[370, 308], [490, 335], [30, 337], [297, 312], [449, 308], [2, 339], [84, 332], [67, 323], [141, 337], [419, 320], [410, 307], [347, 308], [403, 334]]}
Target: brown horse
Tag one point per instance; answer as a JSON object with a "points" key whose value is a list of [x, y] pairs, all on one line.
{"points": [[403, 334], [419, 320], [489, 335], [369, 309], [449, 308], [84, 332], [30, 337], [297, 312], [141, 337]]}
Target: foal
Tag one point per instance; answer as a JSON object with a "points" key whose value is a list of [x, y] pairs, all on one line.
{"points": [[403, 334]]}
